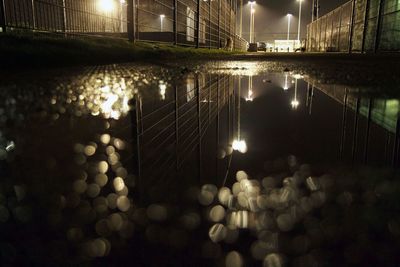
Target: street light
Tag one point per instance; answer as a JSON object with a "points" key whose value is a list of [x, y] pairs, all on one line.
{"points": [[289, 16], [162, 16], [298, 30], [106, 5], [252, 11]]}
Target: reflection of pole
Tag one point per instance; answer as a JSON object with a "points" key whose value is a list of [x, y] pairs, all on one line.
{"points": [[396, 144], [368, 130], [136, 121], [240, 87], [3, 16], [311, 100], [217, 128], [199, 124], [176, 127], [355, 130], [344, 122]]}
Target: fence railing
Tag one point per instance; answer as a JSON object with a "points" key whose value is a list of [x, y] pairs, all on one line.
{"points": [[207, 24], [357, 26]]}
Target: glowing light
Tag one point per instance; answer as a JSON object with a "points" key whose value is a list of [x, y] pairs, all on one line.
{"points": [[295, 103], [239, 145], [106, 5], [163, 89]]}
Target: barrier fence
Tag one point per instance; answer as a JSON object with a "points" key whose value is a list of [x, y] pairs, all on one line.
{"points": [[357, 26], [207, 24]]}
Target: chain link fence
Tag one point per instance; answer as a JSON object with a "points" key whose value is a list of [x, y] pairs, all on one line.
{"points": [[357, 26], [196, 23]]}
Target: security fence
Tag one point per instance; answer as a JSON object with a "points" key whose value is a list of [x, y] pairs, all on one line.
{"points": [[208, 24], [357, 26]]}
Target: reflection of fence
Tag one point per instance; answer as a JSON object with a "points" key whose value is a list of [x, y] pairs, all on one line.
{"points": [[169, 131], [370, 127], [208, 24], [359, 26]]}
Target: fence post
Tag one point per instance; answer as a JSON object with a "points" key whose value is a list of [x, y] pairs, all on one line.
{"points": [[131, 20], [176, 127], [379, 26], [351, 30], [340, 27], [64, 18], [209, 24], [2, 16], [219, 24], [198, 24], [365, 25], [33, 14], [175, 22]]}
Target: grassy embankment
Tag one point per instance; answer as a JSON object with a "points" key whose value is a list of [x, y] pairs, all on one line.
{"points": [[27, 50]]}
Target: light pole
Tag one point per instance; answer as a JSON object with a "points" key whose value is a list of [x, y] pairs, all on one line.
{"points": [[241, 20], [252, 11], [289, 16], [162, 16], [298, 30]]}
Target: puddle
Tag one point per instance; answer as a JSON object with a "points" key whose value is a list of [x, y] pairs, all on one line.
{"points": [[223, 164]]}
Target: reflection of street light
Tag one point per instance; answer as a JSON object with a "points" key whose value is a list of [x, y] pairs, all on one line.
{"points": [[252, 11], [162, 16], [295, 103], [298, 30], [238, 144], [289, 16], [106, 5], [286, 86], [250, 89]]}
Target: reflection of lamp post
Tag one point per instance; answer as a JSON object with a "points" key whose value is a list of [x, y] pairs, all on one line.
{"points": [[298, 30], [250, 89], [252, 11], [162, 16], [286, 86], [295, 103], [289, 16], [238, 144]]}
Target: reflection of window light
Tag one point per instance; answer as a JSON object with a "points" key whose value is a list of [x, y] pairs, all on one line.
{"points": [[190, 92], [190, 24], [163, 89]]}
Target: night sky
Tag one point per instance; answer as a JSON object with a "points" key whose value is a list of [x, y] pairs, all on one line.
{"points": [[270, 17]]}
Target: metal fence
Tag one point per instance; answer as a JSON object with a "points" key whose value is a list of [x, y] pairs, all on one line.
{"points": [[357, 26], [208, 24]]}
